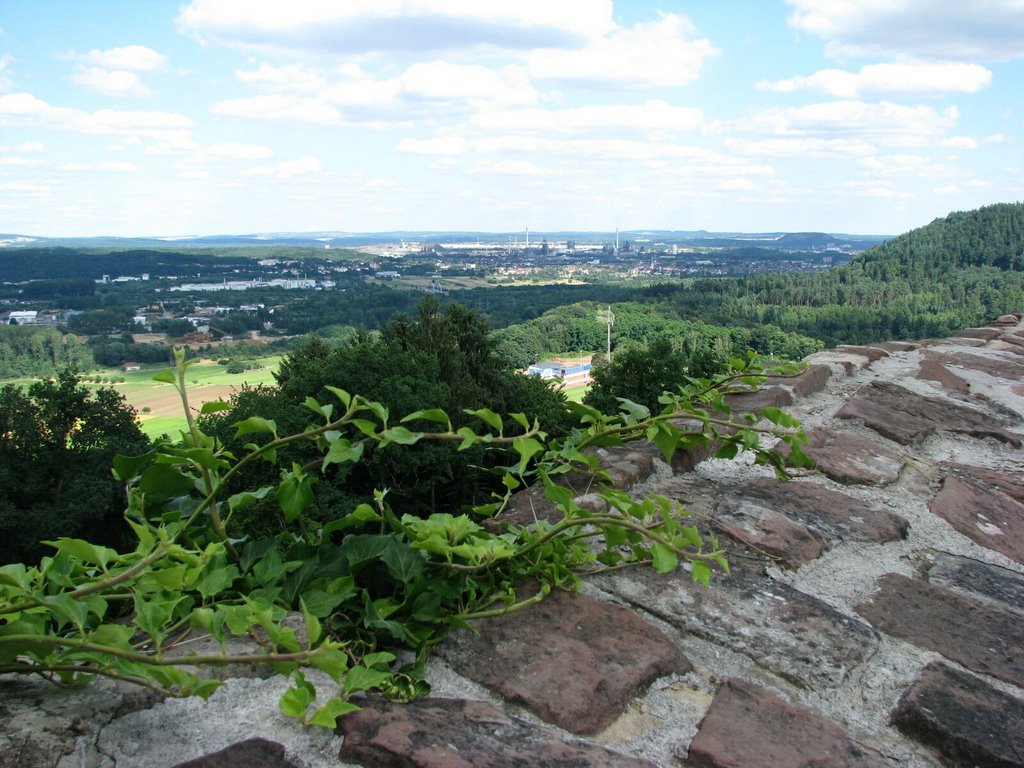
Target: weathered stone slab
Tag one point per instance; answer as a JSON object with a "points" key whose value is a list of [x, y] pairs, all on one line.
{"points": [[791, 634], [571, 660], [1000, 367], [1000, 585], [968, 721], [872, 353], [748, 727], [987, 517], [767, 531], [850, 458], [454, 733], [898, 346], [979, 636], [252, 753], [847, 361], [1010, 483], [906, 417], [986, 334], [830, 515], [933, 370], [765, 397], [809, 382]]}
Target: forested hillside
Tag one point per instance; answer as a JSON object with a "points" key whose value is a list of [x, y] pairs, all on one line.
{"points": [[958, 271]]}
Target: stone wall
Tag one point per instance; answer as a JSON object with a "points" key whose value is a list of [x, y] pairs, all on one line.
{"points": [[874, 615]]}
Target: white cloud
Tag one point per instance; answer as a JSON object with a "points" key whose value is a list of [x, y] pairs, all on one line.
{"points": [[959, 142], [5, 67], [740, 185], [239, 151], [399, 26], [511, 168], [290, 77], [654, 115], [666, 52], [983, 30], [802, 147], [902, 166], [288, 169], [110, 82], [445, 146], [948, 189], [280, 107], [26, 109], [441, 81], [881, 122], [134, 58], [112, 166], [908, 78], [31, 146]]}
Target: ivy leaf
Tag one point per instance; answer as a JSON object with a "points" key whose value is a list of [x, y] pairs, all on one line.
{"points": [[296, 700], [701, 572], [295, 492], [84, 551], [327, 716], [489, 417], [363, 679], [334, 662], [402, 561], [665, 558], [128, 467], [313, 628], [244, 499], [166, 376], [342, 452], [255, 425], [341, 394], [400, 435], [527, 448], [431, 414], [162, 482], [667, 439]]}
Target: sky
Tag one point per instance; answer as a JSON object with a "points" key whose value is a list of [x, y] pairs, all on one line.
{"points": [[157, 118]]}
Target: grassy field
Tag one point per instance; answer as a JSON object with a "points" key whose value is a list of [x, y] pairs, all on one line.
{"points": [[158, 405]]}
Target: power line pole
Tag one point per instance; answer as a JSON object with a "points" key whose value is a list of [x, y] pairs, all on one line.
{"points": [[608, 318]]}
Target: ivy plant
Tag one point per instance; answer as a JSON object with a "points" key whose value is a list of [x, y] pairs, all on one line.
{"points": [[372, 583]]}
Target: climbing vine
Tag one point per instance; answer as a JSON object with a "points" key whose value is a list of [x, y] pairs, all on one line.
{"points": [[348, 596]]}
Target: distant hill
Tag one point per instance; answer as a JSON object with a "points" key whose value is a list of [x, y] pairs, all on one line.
{"points": [[800, 241], [992, 236]]}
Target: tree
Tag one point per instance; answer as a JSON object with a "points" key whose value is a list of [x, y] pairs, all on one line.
{"points": [[52, 439], [643, 374]]}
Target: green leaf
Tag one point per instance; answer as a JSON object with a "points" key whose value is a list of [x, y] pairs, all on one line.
{"points": [[244, 499], [665, 558], [334, 662], [295, 493], [162, 482], [113, 635], [313, 628], [320, 410], [431, 414], [327, 716], [363, 549], [402, 561], [667, 439], [84, 551], [527, 448], [341, 394], [166, 376], [701, 572], [342, 452], [363, 679], [633, 411], [400, 435], [255, 425], [489, 417], [296, 700], [215, 406], [217, 580], [128, 467]]}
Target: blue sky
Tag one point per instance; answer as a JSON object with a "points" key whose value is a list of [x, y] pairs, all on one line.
{"points": [[238, 116]]}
